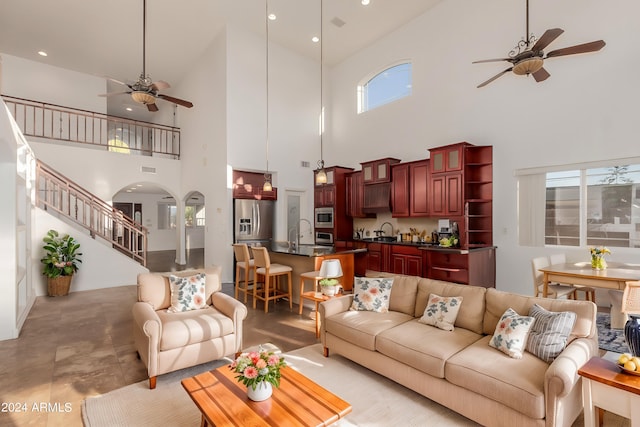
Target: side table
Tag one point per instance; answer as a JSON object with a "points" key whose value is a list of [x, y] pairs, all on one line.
{"points": [[311, 295], [606, 386]]}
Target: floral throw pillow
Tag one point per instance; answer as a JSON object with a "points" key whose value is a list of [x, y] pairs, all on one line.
{"points": [[187, 293], [371, 294], [441, 312], [511, 332]]}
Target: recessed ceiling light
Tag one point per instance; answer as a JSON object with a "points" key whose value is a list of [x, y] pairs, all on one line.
{"points": [[272, 16], [129, 109], [128, 191], [315, 39], [365, 2], [42, 53]]}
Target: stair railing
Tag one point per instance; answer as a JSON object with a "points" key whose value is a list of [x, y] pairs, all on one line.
{"points": [[58, 123], [56, 192]]}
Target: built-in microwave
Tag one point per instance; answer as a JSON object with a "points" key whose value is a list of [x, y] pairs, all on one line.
{"points": [[324, 238], [324, 218]]}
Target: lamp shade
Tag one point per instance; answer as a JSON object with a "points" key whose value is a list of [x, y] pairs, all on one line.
{"points": [[321, 177], [331, 268]]}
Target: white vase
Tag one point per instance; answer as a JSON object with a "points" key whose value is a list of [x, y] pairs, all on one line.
{"points": [[262, 391], [329, 290]]}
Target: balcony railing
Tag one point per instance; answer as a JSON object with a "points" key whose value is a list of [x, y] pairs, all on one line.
{"points": [[55, 192], [55, 122]]}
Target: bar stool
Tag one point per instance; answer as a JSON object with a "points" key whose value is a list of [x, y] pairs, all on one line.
{"points": [[589, 293], [269, 290], [310, 275], [244, 263]]}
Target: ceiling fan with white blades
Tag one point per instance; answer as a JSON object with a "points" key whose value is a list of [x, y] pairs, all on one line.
{"points": [[528, 56], [144, 90]]}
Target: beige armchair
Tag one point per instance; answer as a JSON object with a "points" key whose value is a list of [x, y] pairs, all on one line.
{"points": [[168, 341]]}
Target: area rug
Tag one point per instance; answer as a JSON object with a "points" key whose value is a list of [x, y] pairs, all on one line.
{"points": [[610, 339], [391, 404]]}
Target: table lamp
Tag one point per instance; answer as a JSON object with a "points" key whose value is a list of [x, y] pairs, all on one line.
{"points": [[631, 306], [330, 269]]}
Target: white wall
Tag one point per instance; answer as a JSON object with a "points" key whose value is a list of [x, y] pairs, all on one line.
{"points": [[585, 111], [27, 79], [101, 266], [294, 109]]}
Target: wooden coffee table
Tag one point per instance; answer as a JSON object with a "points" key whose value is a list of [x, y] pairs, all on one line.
{"points": [[606, 387], [298, 401]]}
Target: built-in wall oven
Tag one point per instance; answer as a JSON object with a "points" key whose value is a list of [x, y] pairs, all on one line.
{"points": [[324, 218], [324, 238]]}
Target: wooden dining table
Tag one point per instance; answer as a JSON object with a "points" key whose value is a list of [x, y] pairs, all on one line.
{"points": [[616, 276]]}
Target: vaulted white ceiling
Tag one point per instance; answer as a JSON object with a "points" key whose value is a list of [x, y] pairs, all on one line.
{"points": [[105, 37]]}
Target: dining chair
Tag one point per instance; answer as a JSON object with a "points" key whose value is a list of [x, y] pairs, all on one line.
{"points": [[554, 290], [268, 289], [244, 264], [589, 292]]}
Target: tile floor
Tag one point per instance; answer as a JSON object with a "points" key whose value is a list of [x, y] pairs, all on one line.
{"points": [[81, 345]]}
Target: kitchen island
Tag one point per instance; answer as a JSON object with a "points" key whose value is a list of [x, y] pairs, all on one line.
{"points": [[305, 258]]}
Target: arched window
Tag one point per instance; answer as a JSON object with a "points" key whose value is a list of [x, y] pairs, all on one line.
{"points": [[388, 85]]}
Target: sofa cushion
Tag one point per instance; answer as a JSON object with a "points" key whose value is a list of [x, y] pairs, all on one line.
{"points": [[549, 333], [361, 327], [510, 336], [516, 383], [187, 293], [414, 344], [403, 291], [371, 294], [154, 288], [471, 312], [441, 312], [499, 301], [192, 327]]}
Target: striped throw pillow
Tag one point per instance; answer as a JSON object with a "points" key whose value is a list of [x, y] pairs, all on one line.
{"points": [[550, 332]]}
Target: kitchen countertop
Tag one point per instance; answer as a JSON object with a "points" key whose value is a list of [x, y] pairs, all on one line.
{"points": [[427, 246], [310, 250]]}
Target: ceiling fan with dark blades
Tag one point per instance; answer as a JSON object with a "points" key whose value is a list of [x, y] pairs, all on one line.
{"points": [[528, 56], [144, 90]]}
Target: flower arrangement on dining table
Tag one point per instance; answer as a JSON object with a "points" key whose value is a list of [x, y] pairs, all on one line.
{"points": [[258, 366], [597, 257]]}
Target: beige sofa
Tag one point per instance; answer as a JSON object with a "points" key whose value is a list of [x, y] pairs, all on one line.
{"points": [[459, 369], [168, 341]]}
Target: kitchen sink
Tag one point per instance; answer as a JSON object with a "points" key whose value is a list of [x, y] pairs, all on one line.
{"points": [[387, 239]]}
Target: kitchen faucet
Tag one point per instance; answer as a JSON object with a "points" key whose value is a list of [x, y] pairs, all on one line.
{"points": [[389, 224], [300, 229], [293, 244]]}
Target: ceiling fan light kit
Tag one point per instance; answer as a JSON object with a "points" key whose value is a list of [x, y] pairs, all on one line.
{"points": [[528, 55], [143, 97], [528, 66], [145, 91]]}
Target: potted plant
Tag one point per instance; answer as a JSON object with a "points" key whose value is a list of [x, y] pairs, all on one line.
{"points": [[60, 262], [329, 286], [259, 371]]}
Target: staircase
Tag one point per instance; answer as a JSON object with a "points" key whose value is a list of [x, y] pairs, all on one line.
{"points": [[55, 192]]}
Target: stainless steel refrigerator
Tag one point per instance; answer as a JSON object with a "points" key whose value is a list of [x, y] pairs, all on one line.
{"points": [[253, 222]]}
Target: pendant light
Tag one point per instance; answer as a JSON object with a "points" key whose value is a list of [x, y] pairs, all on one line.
{"points": [[321, 175], [267, 176]]}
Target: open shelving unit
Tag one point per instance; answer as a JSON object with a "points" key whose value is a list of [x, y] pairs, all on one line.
{"points": [[478, 199]]}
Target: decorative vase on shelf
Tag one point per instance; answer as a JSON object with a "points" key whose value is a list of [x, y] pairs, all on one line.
{"points": [[598, 262], [329, 290], [263, 391], [632, 334]]}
